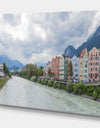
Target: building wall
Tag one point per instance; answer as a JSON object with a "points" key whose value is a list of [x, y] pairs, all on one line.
{"points": [[61, 68], [1, 70], [65, 68], [75, 67], [93, 63], [69, 69], [48, 67], [81, 65], [55, 67], [44, 72], [85, 67], [99, 67]]}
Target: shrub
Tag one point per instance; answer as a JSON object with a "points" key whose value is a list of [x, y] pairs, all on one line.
{"points": [[42, 81], [95, 94], [80, 91], [59, 86], [99, 95], [33, 78], [39, 80], [54, 84], [69, 86], [62, 86], [81, 88], [75, 90], [2, 81], [46, 81], [89, 90], [49, 83], [65, 88]]}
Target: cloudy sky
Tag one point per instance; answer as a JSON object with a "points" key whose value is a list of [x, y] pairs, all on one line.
{"points": [[37, 37]]}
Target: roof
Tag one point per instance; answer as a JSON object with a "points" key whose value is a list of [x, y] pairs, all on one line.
{"points": [[82, 53]]}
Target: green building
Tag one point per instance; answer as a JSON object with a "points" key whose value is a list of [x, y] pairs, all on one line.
{"points": [[65, 68]]}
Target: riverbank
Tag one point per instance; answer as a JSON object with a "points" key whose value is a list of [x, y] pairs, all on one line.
{"points": [[25, 93], [3, 81], [90, 92]]}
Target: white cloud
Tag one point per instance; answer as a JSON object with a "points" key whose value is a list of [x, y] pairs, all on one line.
{"points": [[40, 36], [95, 23], [44, 56]]}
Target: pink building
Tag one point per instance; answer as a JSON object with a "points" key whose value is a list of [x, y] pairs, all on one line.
{"points": [[93, 65]]}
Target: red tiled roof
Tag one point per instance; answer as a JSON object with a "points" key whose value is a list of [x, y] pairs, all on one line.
{"points": [[82, 53]]}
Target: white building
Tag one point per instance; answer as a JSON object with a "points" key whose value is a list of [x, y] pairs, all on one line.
{"points": [[75, 67], [61, 68], [1, 70]]}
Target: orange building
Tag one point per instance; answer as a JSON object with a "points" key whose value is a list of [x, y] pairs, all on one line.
{"points": [[55, 67]]}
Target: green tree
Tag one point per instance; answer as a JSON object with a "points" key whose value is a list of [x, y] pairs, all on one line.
{"points": [[6, 70], [40, 72], [95, 94], [69, 86]]}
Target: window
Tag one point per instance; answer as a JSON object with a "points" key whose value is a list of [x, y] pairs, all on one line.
{"points": [[86, 65], [96, 53], [95, 69]]}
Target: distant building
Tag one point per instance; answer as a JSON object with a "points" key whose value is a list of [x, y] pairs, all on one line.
{"points": [[48, 69], [23, 68], [65, 68], [81, 65], [94, 66], [61, 68], [75, 67], [35, 65], [85, 66], [55, 67], [69, 69], [99, 66], [44, 72], [1, 70]]}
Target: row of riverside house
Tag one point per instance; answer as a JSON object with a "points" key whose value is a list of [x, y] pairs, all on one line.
{"points": [[84, 68]]}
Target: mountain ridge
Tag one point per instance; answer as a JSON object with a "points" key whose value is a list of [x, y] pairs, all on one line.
{"points": [[10, 62], [92, 41]]}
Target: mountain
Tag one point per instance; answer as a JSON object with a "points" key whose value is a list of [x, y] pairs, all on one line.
{"points": [[70, 51], [12, 64], [92, 41]]}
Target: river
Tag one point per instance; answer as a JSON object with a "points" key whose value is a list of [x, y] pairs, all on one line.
{"points": [[24, 93]]}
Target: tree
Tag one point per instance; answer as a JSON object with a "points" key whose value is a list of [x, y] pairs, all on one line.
{"points": [[6, 70], [95, 94], [4, 67], [40, 72], [69, 86], [50, 73]]}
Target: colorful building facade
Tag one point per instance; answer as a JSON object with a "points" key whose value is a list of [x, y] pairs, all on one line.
{"points": [[44, 72], [48, 69], [55, 67], [94, 65], [70, 71], [61, 68], [85, 66], [75, 67], [81, 65], [65, 68]]}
